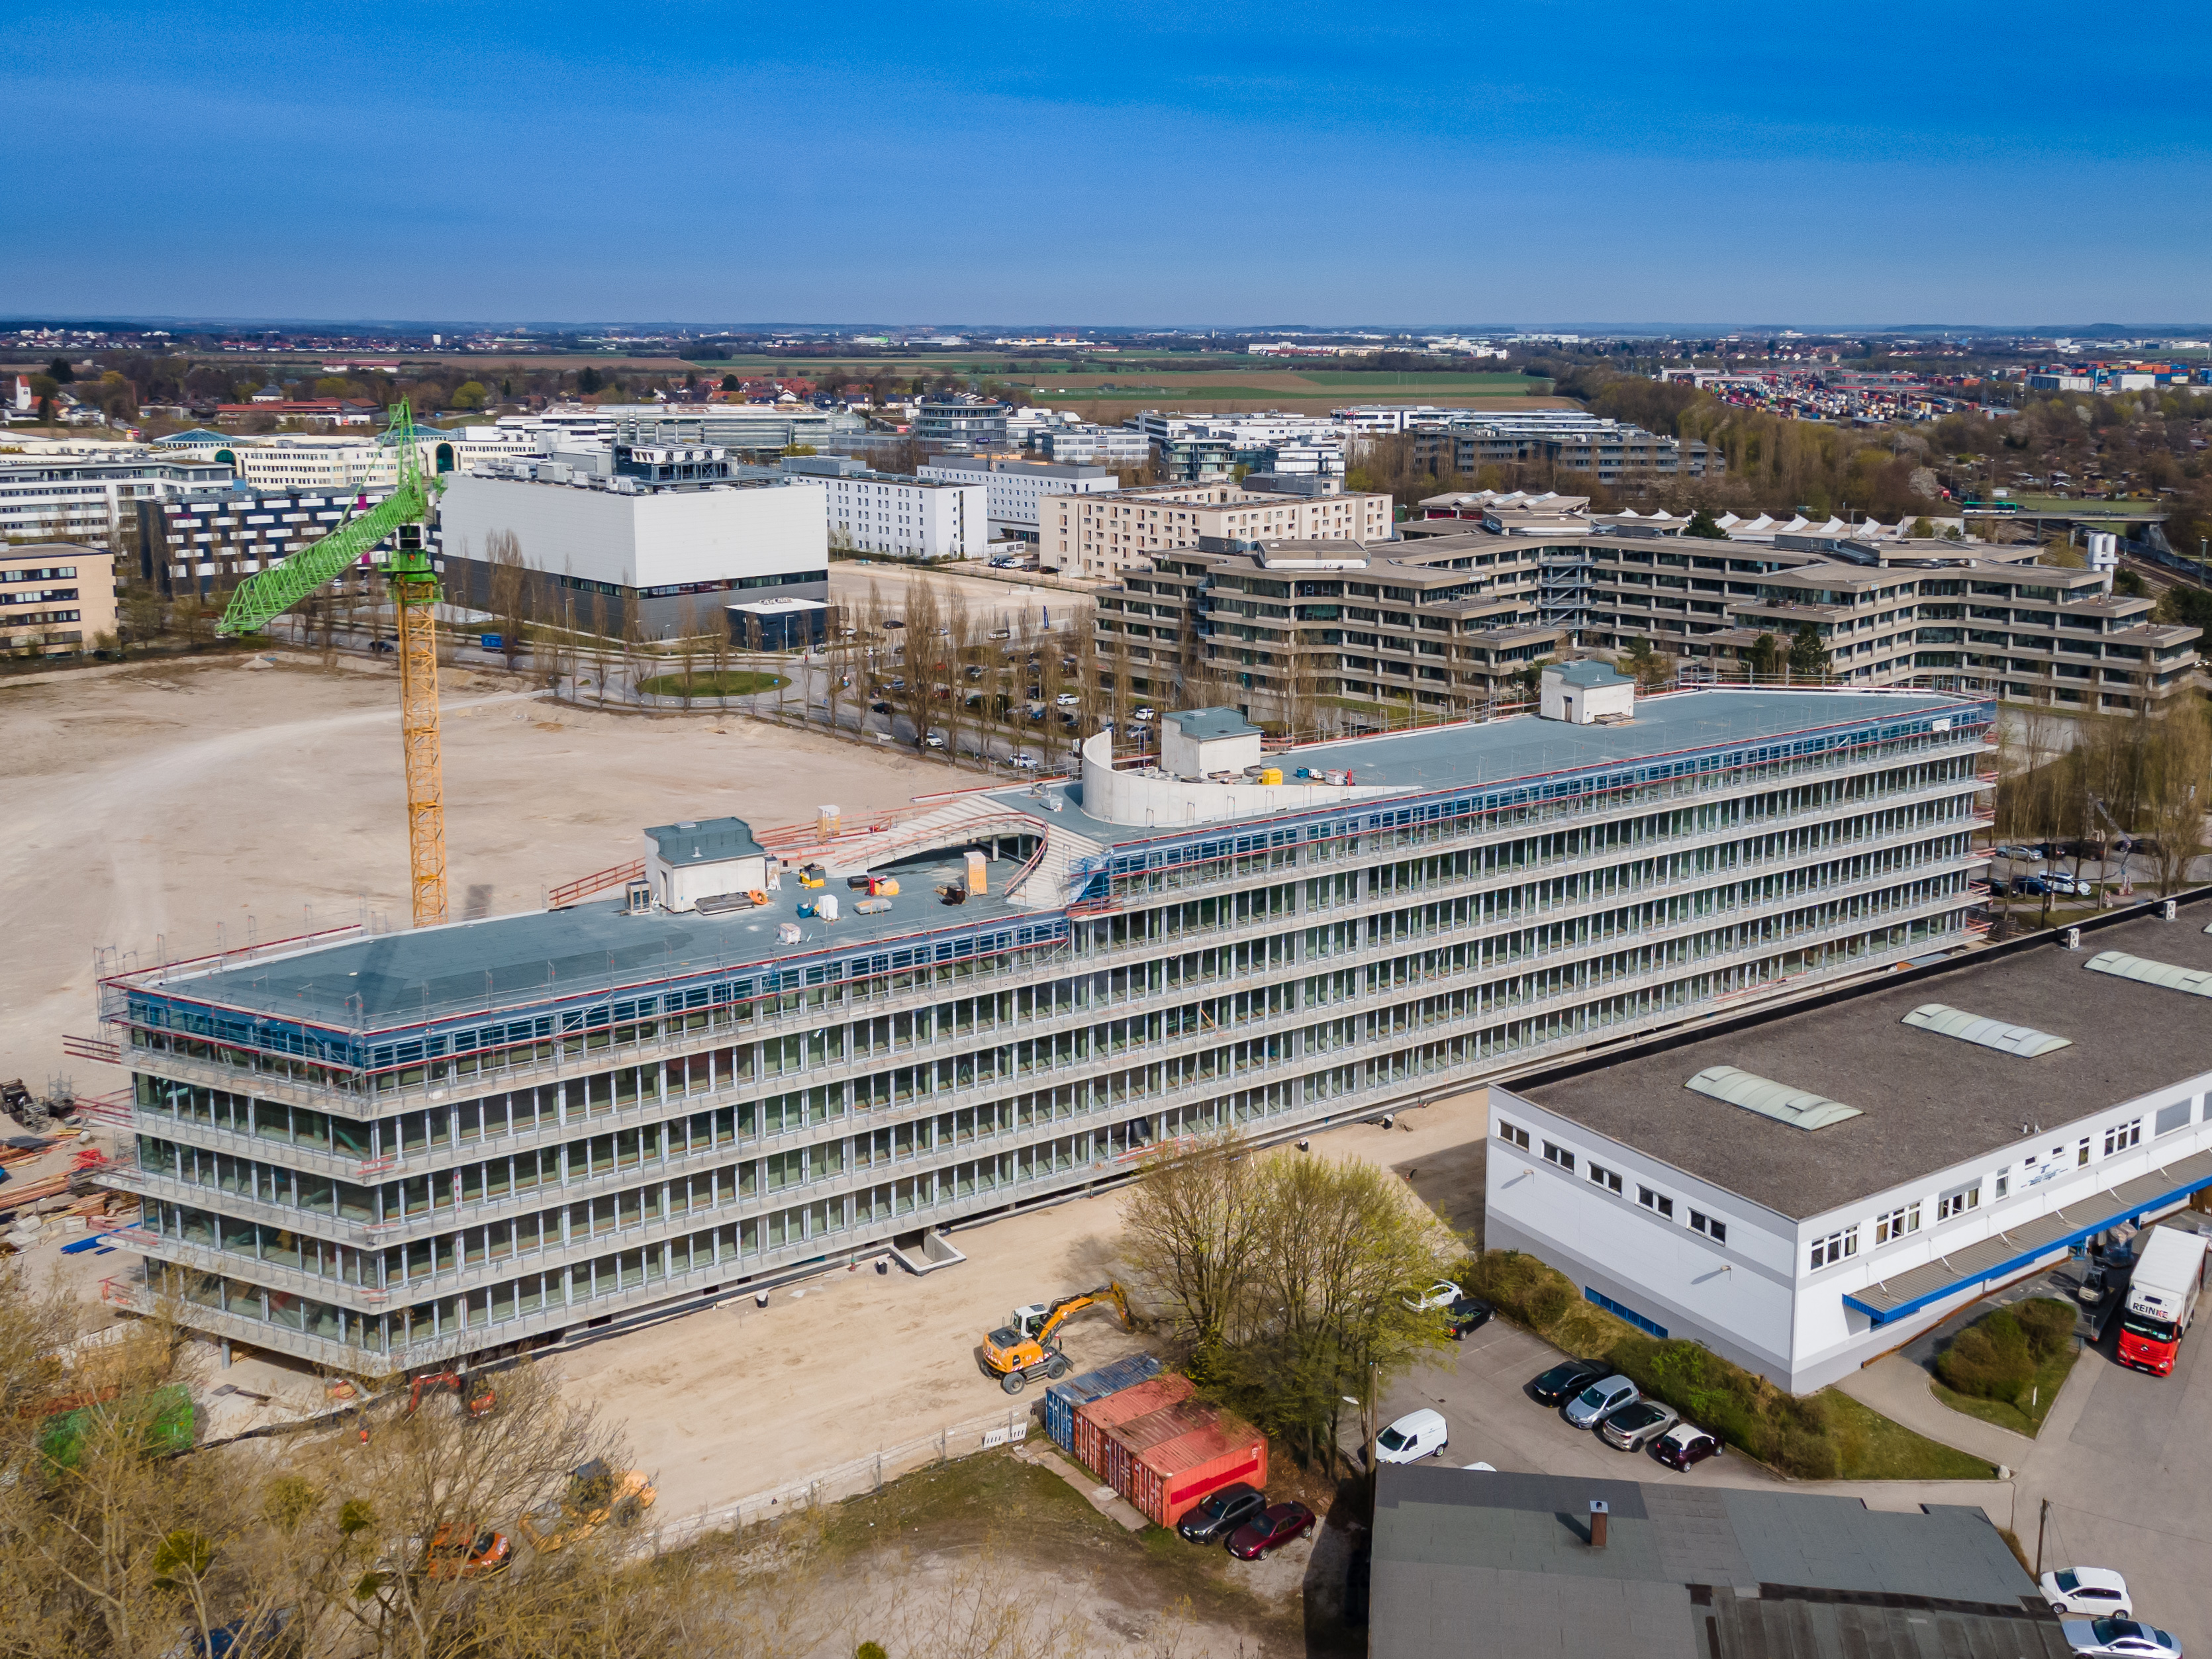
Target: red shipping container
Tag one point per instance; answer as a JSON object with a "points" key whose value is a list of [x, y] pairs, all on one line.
{"points": [[1093, 1417], [1167, 1478], [1122, 1444]]}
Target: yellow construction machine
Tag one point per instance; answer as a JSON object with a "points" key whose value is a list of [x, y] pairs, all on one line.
{"points": [[1024, 1346]]}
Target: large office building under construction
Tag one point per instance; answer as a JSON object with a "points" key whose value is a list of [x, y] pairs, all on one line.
{"points": [[384, 1151]]}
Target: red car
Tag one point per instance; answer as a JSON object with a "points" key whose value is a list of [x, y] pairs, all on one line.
{"points": [[1270, 1530]]}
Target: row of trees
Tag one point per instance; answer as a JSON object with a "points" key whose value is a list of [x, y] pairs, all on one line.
{"points": [[2088, 780], [1289, 1281]]}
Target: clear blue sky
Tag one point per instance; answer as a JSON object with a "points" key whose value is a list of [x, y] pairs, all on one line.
{"points": [[1107, 163]]}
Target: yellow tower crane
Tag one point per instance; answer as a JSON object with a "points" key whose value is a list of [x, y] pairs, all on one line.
{"points": [[403, 516]]}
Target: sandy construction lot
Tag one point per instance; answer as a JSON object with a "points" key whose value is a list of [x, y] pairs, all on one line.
{"points": [[147, 808]]}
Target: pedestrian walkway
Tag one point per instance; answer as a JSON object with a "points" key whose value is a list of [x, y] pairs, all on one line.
{"points": [[1898, 1389]]}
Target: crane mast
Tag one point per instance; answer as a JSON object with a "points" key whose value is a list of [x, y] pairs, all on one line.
{"points": [[402, 515]]}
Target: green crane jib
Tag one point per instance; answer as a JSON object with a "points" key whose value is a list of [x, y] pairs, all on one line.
{"points": [[260, 598]]}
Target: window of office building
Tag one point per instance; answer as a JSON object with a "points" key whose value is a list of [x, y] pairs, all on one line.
{"points": [[1560, 1156], [1958, 1203], [1518, 1136], [1606, 1178], [1651, 1200], [1715, 1230], [1898, 1223], [1835, 1247]]}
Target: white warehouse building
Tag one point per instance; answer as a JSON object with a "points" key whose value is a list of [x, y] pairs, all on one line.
{"points": [[669, 530], [1810, 1187]]}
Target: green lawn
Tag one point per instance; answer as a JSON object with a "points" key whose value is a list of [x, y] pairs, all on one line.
{"points": [[2049, 1379], [1876, 1448], [731, 682]]}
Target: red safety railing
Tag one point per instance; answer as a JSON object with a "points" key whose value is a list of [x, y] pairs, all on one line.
{"points": [[597, 881]]}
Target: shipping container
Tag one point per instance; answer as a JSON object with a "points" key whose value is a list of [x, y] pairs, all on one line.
{"points": [[1121, 1444], [1167, 1478], [1062, 1399], [1094, 1418]]}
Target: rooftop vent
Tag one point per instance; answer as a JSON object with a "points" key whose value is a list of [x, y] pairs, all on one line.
{"points": [[1795, 1107], [2195, 980], [2022, 1040]]}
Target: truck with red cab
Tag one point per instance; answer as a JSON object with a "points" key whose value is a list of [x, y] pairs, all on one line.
{"points": [[2162, 1298]]}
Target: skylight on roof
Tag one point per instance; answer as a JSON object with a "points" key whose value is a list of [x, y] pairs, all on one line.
{"points": [[2022, 1040], [1798, 1107], [2196, 981]]}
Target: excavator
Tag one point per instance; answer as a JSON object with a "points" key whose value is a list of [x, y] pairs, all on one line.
{"points": [[1023, 1347]]}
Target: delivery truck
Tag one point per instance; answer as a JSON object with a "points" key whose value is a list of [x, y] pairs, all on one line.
{"points": [[2162, 1298]]}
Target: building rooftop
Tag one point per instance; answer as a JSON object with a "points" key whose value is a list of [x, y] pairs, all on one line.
{"points": [[706, 839], [1925, 1099], [1475, 1561], [1204, 724]]}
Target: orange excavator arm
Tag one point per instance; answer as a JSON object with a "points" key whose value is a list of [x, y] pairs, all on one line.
{"points": [[1068, 1306]]}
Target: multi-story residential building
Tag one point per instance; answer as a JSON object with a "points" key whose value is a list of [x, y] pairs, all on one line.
{"points": [[205, 540], [1014, 488], [1093, 446], [904, 514], [668, 533], [380, 1154], [959, 423], [757, 426], [94, 500], [1608, 451], [1106, 534], [293, 461], [1451, 615], [57, 598], [1192, 448]]}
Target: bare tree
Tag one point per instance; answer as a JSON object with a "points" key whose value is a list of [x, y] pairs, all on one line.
{"points": [[2177, 789], [510, 592]]}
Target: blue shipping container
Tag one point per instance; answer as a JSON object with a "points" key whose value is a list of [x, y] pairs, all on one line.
{"points": [[1062, 1399]]}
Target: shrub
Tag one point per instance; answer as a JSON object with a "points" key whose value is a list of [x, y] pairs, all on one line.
{"points": [[2048, 1324], [1991, 1359], [1527, 1289]]}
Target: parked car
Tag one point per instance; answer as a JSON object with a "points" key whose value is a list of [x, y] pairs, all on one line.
{"points": [[2089, 1592], [934, 739], [2026, 854], [1023, 763], [1442, 1294], [1607, 1394], [1562, 1382], [1273, 1527], [1470, 1313], [1684, 1444], [2118, 1638], [1216, 1515], [880, 707], [382, 647], [1067, 699], [1144, 715], [1637, 1425], [1416, 1435]]}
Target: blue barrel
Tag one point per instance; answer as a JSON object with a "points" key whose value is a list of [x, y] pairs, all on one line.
{"points": [[1062, 1399]]}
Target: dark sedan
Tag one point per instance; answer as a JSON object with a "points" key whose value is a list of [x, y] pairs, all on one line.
{"points": [[1470, 1313], [1271, 1529], [1216, 1515], [1684, 1444], [1562, 1382]]}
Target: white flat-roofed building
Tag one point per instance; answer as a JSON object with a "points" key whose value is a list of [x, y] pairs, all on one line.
{"points": [[658, 526], [74, 498], [1106, 534], [300, 461], [1802, 1191], [903, 514], [1014, 489]]}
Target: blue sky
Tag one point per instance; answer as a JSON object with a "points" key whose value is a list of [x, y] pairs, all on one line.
{"points": [[1102, 163]]}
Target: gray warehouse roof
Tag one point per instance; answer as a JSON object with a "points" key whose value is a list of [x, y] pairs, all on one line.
{"points": [[705, 840], [1471, 1562], [1925, 1099]]}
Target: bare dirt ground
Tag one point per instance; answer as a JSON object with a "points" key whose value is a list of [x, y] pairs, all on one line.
{"points": [[145, 808]]}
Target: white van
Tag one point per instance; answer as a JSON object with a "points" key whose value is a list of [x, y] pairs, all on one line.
{"points": [[1416, 1435]]}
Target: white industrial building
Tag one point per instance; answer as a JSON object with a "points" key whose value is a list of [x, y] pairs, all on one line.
{"points": [[75, 498], [655, 527], [1804, 1190], [1013, 489], [897, 513]]}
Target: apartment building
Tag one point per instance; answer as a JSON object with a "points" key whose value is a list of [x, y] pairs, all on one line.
{"points": [[1014, 489], [1092, 445], [960, 424], [377, 1153], [756, 427], [296, 461], [94, 500], [57, 598], [204, 539], [1566, 440], [1109, 534], [904, 514], [1453, 615]]}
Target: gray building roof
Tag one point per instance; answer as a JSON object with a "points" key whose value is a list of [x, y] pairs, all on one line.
{"points": [[1925, 1100], [1202, 724], [1588, 673], [706, 839], [1472, 1562]]}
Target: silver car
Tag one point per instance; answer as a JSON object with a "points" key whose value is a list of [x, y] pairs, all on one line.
{"points": [[1634, 1426], [1607, 1394]]}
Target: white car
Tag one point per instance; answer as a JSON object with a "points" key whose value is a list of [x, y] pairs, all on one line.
{"points": [[1442, 1294], [2088, 1593], [1416, 1435], [2118, 1638], [1067, 699], [1607, 1394], [934, 741], [1145, 715], [1023, 763]]}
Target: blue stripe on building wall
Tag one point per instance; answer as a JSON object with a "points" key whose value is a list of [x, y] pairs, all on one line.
{"points": [[1649, 1327]]}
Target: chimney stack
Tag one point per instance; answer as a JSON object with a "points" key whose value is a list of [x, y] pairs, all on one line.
{"points": [[1598, 1510]]}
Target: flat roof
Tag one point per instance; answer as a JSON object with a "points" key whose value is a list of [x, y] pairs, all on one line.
{"points": [[1925, 1100], [1687, 1572], [705, 840]]}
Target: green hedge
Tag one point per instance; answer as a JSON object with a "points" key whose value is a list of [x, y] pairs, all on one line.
{"points": [[1998, 1356]]}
